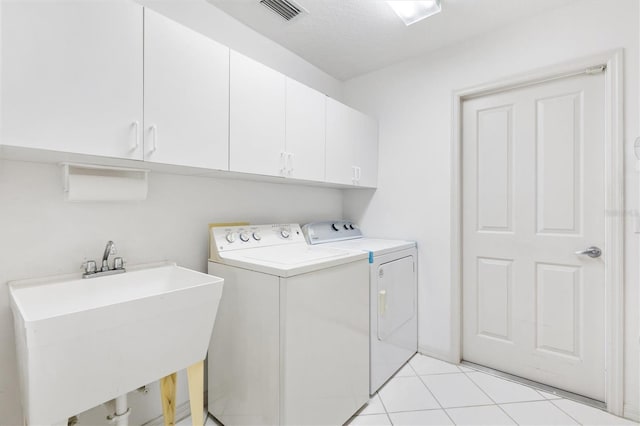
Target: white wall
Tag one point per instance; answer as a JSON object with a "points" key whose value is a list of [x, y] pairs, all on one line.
{"points": [[43, 235], [212, 22], [413, 103]]}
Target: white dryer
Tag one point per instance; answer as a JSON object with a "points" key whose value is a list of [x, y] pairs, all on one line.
{"points": [[291, 341], [393, 294]]}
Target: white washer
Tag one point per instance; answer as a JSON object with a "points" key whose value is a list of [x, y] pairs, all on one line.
{"points": [[393, 293], [291, 341]]}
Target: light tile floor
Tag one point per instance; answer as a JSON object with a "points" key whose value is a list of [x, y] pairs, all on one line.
{"points": [[427, 391]]}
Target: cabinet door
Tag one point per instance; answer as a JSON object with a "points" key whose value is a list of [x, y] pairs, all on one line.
{"points": [[186, 96], [367, 151], [257, 121], [305, 132], [72, 76], [341, 130]]}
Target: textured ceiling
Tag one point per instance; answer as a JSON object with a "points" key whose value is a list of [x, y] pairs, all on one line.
{"points": [[347, 38]]}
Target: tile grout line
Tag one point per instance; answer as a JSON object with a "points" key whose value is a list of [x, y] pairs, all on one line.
{"points": [[570, 416], [488, 396], [434, 397], [385, 407], [394, 376]]}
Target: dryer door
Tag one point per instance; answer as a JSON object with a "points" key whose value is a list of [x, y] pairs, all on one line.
{"points": [[396, 295]]}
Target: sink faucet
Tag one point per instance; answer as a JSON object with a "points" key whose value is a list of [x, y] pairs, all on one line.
{"points": [[109, 249], [90, 267]]}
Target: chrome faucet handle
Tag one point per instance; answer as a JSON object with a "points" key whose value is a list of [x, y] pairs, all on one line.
{"points": [[118, 263], [105, 265], [90, 267]]}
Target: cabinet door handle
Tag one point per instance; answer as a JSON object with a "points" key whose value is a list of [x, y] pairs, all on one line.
{"points": [[154, 129], [136, 127], [283, 162], [290, 157]]}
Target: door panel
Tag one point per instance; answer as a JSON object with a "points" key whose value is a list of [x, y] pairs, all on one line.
{"points": [[186, 78], [558, 290], [341, 146], [257, 118], [305, 131], [495, 159], [72, 76], [558, 154], [533, 195], [495, 281], [394, 295]]}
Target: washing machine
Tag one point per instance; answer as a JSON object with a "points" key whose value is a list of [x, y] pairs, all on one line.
{"points": [[393, 293], [291, 341]]}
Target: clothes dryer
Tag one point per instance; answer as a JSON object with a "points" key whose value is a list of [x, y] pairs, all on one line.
{"points": [[393, 293]]}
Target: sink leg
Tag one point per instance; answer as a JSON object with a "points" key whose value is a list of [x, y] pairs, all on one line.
{"points": [[168, 395], [195, 374]]}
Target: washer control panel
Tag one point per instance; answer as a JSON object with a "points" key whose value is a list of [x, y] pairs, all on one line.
{"points": [[337, 230], [227, 238]]}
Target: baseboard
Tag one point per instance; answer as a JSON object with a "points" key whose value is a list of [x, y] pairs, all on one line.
{"points": [[433, 353], [631, 412], [182, 412]]}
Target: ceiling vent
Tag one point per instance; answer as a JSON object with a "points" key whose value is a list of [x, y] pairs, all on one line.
{"points": [[286, 9]]}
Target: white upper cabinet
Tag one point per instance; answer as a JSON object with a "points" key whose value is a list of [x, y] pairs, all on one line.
{"points": [[367, 151], [72, 76], [109, 78], [340, 149], [305, 132], [257, 118], [186, 96], [352, 146]]}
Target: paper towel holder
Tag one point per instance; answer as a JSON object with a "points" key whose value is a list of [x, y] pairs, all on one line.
{"points": [[91, 182]]}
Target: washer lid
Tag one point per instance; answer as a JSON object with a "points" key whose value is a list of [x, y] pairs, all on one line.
{"points": [[291, 259]]}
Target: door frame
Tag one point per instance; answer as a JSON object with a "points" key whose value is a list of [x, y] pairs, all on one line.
{"points": [[614, 205]]}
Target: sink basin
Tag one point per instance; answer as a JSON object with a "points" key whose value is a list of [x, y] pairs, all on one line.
{"points": [[82, 342]]}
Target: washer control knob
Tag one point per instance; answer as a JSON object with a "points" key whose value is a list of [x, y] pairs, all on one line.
{"points": [[231, 236], [334, 227], [244, 236], [284, 233], [257, 236]]}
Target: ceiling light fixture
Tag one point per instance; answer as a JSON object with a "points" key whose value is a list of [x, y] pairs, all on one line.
{"points": [[413, 11]]}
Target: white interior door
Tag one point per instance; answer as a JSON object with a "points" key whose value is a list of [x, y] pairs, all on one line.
{"points": [[533, 196]]}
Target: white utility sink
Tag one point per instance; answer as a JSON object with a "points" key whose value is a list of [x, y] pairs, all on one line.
{"points": [[82, 342]]}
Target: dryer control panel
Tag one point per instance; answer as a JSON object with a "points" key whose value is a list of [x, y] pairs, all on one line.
{"points": [[326, 232], [226, 238]]}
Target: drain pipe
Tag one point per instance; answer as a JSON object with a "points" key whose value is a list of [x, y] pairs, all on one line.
{"points": [[120, 416]]}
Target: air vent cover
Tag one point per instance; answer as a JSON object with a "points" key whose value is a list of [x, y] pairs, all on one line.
{"points": [[286, 9]]}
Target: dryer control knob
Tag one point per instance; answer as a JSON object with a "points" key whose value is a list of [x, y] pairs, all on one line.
{"points": [[256, 236], [231, 236], [244, 236], [334, 227], [284, 233]]}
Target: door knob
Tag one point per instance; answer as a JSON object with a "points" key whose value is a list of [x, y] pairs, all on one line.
{"points": [[591, 252]]}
